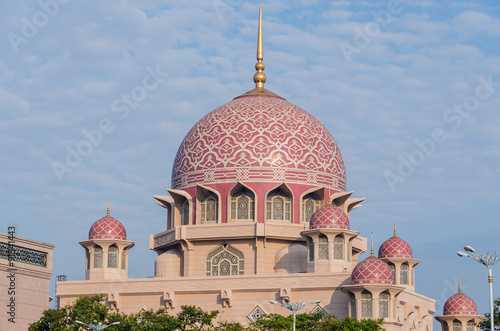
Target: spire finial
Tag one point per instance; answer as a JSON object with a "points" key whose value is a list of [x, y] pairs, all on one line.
{"points": [[394, 226], [260, 78], [372, 246], [329, 195], [459, 285], [108, 207]]}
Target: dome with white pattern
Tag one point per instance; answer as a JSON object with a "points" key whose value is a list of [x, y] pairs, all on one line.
{"points": [[372, 271], [107, 228], [460, 304], [395, 247], [329, 217]]}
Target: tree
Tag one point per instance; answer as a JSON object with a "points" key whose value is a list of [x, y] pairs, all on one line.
{"points": [[485, 324]]}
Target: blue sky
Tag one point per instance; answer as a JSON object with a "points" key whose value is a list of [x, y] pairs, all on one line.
{"points": [[408, 89]]}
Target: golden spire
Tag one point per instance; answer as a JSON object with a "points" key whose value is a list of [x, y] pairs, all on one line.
{"points": [[329, 195], [372, 246], [108, 207], [459, 285], [394, 226], [260, 78]]}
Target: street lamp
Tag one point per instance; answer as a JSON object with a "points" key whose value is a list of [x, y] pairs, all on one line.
{"points": [[293, 307], [97, 327], [489, 260]]}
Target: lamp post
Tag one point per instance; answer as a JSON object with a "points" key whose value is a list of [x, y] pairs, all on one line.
{"points": [[97, 327], [293, 307], [489, 260]]}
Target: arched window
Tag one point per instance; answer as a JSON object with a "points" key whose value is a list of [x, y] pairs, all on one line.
{"points": [[185, 212], [278, 205], [87, 258], [366, 304], [471, 326], [383, 305], [338, 248], [242, 205], [113, 257], [457, 325], [445, 326], [353, 304], [97, 257], [225, 260], [124, 259], [393, 269], [209, 208], [310, 203], [403, 274], [322, 247], [311, 250]]}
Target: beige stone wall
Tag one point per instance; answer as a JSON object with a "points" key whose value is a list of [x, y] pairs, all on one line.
{"points": [[32, 284]]}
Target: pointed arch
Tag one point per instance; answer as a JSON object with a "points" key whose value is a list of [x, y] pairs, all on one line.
{"points": [[225, 260], [279, 204]]}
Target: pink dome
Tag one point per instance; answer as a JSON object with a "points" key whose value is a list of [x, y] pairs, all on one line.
{"points": [[107, 228], [329, 217], [372, 271], [259, 138], [460, 304], [395, 247]]}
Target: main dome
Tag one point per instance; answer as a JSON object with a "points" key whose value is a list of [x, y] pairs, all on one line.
{"points": [[259, 138]]}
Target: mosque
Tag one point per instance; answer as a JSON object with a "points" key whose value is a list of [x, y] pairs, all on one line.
{"points": [[258, 211]]}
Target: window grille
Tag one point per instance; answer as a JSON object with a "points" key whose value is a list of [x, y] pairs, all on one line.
{"points": [[209, 208], [310, 204], [393, 269], [225, 260], [457, 325], [185, 213], [403, 274], [113, 257], [338, 248], [97, 257], [87, 258], [323, 247], [366, 305], [242, 205], [311, 250], [383, 305], [353, 305], [470, 326], [278, 205]]}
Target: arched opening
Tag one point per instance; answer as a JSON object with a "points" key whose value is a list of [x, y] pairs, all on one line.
{"points": [[310, 204], [393, 269], [457, 325], [87, 258], [366, 304], [278, 206], [352, 302], [323, 247], [97, 257], [311, 249], [113, 256], [209, 208], [383, 305], [338, 248], [470, 326], [403, 274], [225, 260], [242, 204], [184, 212]]}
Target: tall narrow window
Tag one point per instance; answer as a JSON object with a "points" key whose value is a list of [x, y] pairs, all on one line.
{"points": [[113, 257], [87, 258], [338, 248], [366, 304], [470, 326], [311, 250], [242, 205], [457, 325], [353, 305], [124, 259], [278, 205], [403, 274], [185, 212], [209, 207], [97, 257], [393, 269], [383, 305], [310, 203], [323, 247], [225, 260], [445, 326]]}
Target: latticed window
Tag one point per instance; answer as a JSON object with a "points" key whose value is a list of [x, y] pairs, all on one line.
{"points": [[322, 247], [383, 305], [87, 257], [338, 248], [403, 274], [457, 325], [393, 269], [209, 207], [278, 206], [311, 251], [366, 305], [124, 259], [225, 260], [470, 326], [113, 257], [310, 203], [445, 327], [97, 257], [242, 205], [353, 304], [185, 212]]}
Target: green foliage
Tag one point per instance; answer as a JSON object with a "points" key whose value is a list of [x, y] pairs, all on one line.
{"points": [[485, 324], [89, 309]]}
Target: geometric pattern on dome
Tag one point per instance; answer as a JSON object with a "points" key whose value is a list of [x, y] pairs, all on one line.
{"points": [[329, 217], [395, 247], [272, 139], [372, 271], [107, 228], [460, 304]]}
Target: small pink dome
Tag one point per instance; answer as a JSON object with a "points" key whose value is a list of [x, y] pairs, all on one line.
{"points": [[395, 247], [460, 304], [329, 217], [107, 228], [372, 271]]}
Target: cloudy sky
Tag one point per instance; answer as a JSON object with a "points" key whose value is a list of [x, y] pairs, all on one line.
{"points": [[96, 96]]}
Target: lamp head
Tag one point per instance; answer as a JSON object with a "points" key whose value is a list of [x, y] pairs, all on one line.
{"points": [[468, 248], [274, 302], [286, 299], [316, 301], [462, 254]]}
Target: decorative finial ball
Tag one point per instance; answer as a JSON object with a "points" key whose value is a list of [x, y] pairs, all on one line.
{"points": [[259, 66], [259, 77]]}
